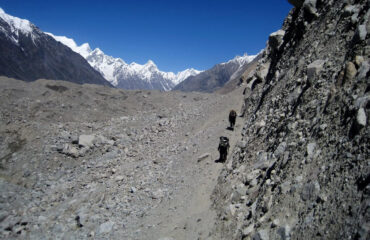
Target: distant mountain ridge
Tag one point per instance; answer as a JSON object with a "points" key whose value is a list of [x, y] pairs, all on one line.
{"points": [[216, 77], [28, 54], [127, 76]]}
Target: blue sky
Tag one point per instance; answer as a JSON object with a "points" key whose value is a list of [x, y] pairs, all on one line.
{"points": [[174, 34]]}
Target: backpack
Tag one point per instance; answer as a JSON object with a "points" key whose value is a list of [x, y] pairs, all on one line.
{"points": [[224, 142], [232, 113]]}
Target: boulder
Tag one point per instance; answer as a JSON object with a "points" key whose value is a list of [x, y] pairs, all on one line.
{"points": [[314, 69], [310, 191], [262, 234], [106, 227], [361, 117], [311, 149], [350, 71], [359, 60], [310, 8], [276, 39], [248, 230], [70, 151], [86, 141], [364, 70], [361, 32]]}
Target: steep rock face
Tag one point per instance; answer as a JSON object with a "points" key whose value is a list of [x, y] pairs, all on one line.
{"points": [[301, 169], [29, 54], [238, 79], [216, 77]]}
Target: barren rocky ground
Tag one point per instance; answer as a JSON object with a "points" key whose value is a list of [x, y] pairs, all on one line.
{"points": [[95, 162], [87, 161]]}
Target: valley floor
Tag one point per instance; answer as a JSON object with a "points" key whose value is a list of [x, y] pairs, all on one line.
{"points": [[94, 162]]}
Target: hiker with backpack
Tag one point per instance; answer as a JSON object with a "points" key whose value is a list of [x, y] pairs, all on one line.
{"points": [[232, 118], [223, 148]]}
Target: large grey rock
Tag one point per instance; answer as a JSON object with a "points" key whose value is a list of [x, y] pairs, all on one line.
{"points": [[314, 69], [261, 73], [284, 232], [361, 117], [362, 102], [248, 230], [310, 7], [364, 70], [311, 147], [362, 32], [264, 161], [262, 234], [106, 227], [86, 141], [350, 72], [276, 39], [70, 151], [310, 191]]}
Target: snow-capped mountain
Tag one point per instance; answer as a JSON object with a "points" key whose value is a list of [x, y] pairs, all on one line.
{"points": [[28, 54], [124, 75], [216, 77]]}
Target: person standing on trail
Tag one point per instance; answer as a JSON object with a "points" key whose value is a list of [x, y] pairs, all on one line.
{"points": [[232, 118], [223, 148]]}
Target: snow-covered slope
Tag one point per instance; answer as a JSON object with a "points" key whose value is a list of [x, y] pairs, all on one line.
{"points": [[17, 24], [28, 54], [124, 75], [216, 77], [15, 27], [241, 60]]}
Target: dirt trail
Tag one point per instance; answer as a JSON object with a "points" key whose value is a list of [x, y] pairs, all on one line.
{"points": [[188, 214]]}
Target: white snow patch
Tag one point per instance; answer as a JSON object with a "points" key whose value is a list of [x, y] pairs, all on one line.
{"points": [[84, 50], [241, 60], [16, 24]]}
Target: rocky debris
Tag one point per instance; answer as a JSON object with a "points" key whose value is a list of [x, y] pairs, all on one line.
{"points": [[95, 162], [302, 171]]}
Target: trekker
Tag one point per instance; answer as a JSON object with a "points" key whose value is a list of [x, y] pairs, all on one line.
{"points": [[232, 118], [223, 148]]}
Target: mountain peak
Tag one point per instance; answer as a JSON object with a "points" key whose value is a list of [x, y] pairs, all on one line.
{"points": [[84, 50], [241, 60], [16, 24], [117, 71], [98, 51], [150, 63]]}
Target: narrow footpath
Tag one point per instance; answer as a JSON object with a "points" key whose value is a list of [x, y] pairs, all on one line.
{"points": [[188, 213]]}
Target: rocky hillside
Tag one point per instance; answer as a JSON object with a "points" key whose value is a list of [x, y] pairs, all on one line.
{"points": [[216, 77], [238, 79], [91, 162], [301, 169], [27, 53]]}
